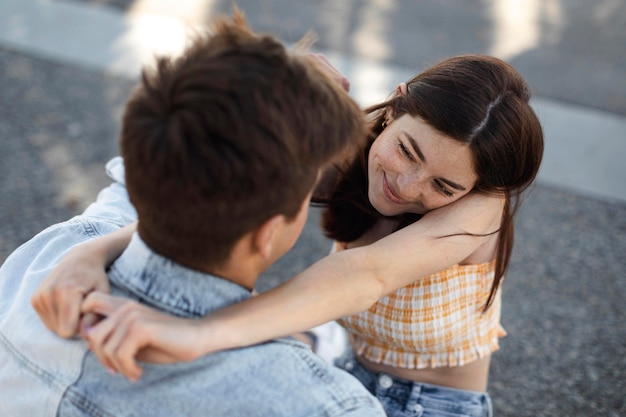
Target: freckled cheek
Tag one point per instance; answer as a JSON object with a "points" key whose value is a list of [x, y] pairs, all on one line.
{"points": [[390, 155]]}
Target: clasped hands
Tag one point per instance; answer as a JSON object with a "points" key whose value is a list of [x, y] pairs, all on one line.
{"points": [[74, 300]]}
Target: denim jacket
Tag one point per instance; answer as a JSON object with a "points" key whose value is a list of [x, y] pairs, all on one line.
{"points": [[44, 375]]}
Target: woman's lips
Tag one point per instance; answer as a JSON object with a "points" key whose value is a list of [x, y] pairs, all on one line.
{"points": [[390, 194]]}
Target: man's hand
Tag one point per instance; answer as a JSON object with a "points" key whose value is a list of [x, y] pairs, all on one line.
{"points": [[132, 331]]}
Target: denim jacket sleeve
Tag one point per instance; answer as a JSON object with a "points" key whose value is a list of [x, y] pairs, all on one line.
{"points": [[36, 366], [113, 203]]}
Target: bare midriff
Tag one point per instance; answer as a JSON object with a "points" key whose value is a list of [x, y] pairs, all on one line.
{"points": [[472, 376]]}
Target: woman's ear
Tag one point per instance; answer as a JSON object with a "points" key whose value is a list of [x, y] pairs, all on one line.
{"points": [[401, 89]]}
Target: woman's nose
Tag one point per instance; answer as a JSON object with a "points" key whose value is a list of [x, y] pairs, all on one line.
{"points": [[410, 184]]}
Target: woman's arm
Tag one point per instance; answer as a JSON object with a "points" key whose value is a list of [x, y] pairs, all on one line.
{"points": [[82, 270], [341, 284], [350, 281]]}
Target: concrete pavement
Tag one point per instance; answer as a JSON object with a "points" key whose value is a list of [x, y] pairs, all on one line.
{"points": [[101, 38], [66, 68]]}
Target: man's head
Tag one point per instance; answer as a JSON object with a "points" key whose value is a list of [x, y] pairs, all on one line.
{"points": [[226, 136]]}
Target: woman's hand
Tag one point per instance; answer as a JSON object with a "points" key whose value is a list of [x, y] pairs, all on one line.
{"points": [[81, 271], [59, 298], [334, 73], [131, 331]]}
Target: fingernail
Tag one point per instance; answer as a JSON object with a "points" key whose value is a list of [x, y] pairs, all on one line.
{"points": [[111, 371]]}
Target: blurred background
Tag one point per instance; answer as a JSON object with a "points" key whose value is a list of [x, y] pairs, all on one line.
{"points": [[67, 66]]}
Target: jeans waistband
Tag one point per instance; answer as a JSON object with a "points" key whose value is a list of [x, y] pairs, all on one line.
{"points": [[414, 395]]}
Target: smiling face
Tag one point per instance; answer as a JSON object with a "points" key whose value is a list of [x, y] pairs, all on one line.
{"points": [[413, 168]]}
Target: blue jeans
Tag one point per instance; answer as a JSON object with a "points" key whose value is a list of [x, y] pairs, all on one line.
{"points": [[402, 398]]}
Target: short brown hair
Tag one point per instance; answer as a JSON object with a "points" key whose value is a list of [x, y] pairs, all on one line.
{"points": [[227, 135]]}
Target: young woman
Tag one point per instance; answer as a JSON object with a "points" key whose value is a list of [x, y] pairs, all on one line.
{"points": [[422, 220]]}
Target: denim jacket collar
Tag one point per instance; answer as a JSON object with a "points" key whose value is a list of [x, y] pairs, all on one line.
{"points": [[169, 286]]}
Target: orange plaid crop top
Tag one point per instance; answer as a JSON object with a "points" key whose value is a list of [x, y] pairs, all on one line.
{"points": [[436, 321]]}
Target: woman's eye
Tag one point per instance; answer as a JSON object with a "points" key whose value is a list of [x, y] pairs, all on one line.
{"points": [[405, 151], [443, 189]]}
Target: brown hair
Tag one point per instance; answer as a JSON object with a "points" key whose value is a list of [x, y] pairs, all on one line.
{"points": [[227, 135], [475, 99]]}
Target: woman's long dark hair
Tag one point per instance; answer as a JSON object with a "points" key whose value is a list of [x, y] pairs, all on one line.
{"points": [[475, 99]]}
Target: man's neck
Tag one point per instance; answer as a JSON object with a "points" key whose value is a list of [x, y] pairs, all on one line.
{"points": [[243, 266], [243, 280]]}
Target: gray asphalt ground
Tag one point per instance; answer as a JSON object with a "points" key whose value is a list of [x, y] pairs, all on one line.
{"points": [[564, 295]]}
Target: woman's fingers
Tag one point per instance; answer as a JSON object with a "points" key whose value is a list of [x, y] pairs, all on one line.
{"points": [[97, 336], [67, 303], [44, 308], [58, 299], [122, 346], [58, 306], [87, 321], [332, 71], [131, 330], [101, 303], [116, 339]]}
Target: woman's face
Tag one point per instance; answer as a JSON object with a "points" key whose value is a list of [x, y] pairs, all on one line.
{"points": [[414, 169]]}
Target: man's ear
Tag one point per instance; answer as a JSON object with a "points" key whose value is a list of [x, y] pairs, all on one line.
{"points": [[266, 234]]}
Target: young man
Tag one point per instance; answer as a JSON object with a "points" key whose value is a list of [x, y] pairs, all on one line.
{"points": [[221, 149]]}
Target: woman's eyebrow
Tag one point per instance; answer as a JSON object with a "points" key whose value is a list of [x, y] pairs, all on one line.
{"points": [[415, 146], [452, 184], [421, 156]]}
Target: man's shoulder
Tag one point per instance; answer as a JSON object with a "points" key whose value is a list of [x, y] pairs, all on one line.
{"points": [[292, 380], [47, 246], [277, 378]]}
